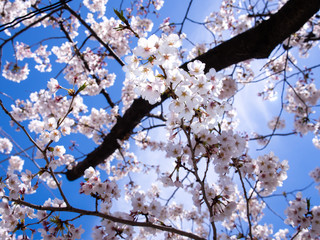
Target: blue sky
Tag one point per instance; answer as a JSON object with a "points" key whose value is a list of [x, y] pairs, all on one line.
{"points": [[38, 81], [253, 115]]}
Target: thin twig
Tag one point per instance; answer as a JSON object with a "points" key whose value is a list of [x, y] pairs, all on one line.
{"points": [[22, 127], [185, 17], [247, 203], [95, 35]]}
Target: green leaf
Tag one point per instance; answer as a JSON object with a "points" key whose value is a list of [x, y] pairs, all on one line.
{"points": [[120, 16], [308, 204], [82, 87]]}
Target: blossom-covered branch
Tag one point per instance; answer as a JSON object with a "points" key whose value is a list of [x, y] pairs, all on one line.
{"points": [[257, 42], [71, 209]]}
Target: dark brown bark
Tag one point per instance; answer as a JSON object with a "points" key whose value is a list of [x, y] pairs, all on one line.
{"points": [[257, 42]]}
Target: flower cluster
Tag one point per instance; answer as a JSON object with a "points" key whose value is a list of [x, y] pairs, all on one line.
{"points": [[14, 72], [315, 174], [197, 51], [167, 27], [11, 216], [84, 70], [108, 31], [153, 210], [14, 9], [5, 145], [226, 21], [300, 215], [220, 196], [276, 123], [270, 172], [278, 65], [97, 123], [301, 99], [203, 157], [40, 56], [154, 70], [149, 53], [19, 182], [54, 226], [111, 230], [141, 26], [105, 191], [143, 7], [96, 6]]}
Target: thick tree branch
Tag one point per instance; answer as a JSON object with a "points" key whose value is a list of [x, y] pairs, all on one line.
{"points": [[120, 131], [257, 42]]}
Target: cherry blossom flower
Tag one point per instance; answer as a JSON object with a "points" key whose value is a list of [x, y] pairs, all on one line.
{"points": [[204, 156], [16, 163], [14, 72], [59, 151], [5, 145]]}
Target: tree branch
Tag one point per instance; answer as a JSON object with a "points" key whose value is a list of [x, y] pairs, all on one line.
{"points": [[109, 217], [120, 131], [95, 35], [257, 42]]}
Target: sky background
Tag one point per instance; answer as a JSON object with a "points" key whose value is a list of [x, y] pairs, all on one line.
{"points": [[253, 114]]}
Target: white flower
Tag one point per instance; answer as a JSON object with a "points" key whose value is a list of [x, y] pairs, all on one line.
{"points": [[316, 141], [5, 145], [90, 172], [141, 26], [53, 85], [76, 232], [315, 174], [158, 4], [59, 151], [58, 203], [51, 124], [146, 47], [55, 135], [16, 163], [96, 6], [23, 51], [26, 177], [51, 183], [184, 93], [14, 72], [196, 67], [276, 123], [197, 51]]}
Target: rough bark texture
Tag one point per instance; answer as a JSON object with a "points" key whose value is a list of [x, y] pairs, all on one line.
{"points": [[257, 42]]}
